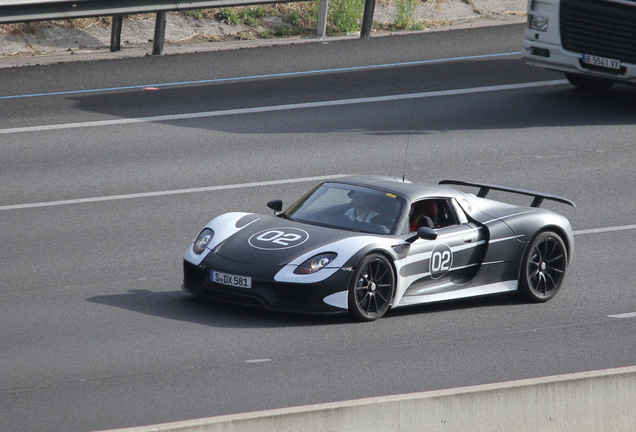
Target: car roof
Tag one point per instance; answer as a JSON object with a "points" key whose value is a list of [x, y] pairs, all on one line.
{"points": [[411, 191]]}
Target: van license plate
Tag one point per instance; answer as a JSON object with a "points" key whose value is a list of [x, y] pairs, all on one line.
{"points": [[605, 62]]}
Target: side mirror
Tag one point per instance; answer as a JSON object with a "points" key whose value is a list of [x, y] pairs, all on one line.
{"points": [[424, 233], [276, 205]]}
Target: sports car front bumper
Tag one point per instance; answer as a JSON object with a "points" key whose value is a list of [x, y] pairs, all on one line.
{"points": [[265, 292]]}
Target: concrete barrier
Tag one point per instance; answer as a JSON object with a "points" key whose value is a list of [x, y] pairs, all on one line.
{"points": [[589, 401]]}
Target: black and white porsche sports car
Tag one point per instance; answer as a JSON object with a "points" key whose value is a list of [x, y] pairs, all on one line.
{"points": [[364, 244]]}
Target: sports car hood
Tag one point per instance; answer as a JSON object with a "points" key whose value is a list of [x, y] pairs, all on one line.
{"points": [[272, 241]]}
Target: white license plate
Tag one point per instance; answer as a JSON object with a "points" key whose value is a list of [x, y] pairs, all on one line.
{"points": [[609, 63], [230, 279]]}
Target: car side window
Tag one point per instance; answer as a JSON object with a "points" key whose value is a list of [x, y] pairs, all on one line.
{"points": [[432, 213], [446, 213]]}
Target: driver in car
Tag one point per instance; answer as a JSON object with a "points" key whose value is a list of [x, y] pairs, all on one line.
{"points": [[362, 210]]}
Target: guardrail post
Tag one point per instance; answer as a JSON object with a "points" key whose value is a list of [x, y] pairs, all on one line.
{"points": [[115, 33], [160, 33], [323, 7], [367, 18]]}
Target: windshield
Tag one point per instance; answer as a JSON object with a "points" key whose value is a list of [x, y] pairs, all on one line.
{"points": [[349, 207]]}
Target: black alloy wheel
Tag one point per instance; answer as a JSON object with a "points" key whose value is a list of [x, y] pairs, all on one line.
{"points": [[372, 288], [543, 267]]}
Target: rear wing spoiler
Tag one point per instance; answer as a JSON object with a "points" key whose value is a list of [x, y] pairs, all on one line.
{"points": [[484, 188]]}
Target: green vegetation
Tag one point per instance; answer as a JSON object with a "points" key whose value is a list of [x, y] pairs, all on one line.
{"points": [[406, 15], [300, 19], [228, 16], [194, 13], [251, 16], [345, 16]]}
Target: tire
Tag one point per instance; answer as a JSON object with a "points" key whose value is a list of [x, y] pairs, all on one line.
{"points": [[589, 83], [543, 267], [372, 288]]}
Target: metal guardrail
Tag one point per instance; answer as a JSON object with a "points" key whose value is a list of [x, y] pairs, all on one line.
{"points": [[17, 11]]}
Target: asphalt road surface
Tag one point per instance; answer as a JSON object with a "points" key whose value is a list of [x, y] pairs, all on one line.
{"points": [[109, 169]]}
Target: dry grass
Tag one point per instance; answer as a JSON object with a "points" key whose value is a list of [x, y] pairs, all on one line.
{"points": [[30, 28], [294, 16]]}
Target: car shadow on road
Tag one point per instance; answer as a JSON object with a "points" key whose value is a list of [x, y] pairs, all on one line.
{"points": [[177, 305], [278, 107]]}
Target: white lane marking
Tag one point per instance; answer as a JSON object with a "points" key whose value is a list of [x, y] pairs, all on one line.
{"points": [[208, 114], [167, 192], [265, 360], [624, 315], [604, 230]]}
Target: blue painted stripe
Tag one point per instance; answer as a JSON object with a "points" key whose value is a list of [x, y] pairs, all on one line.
{"points": [[286, 74]]}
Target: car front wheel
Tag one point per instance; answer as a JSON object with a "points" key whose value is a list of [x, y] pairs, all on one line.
{"points": [[372, 288], [543, 267]]}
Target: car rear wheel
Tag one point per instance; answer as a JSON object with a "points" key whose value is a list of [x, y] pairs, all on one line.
{"points": [[543, 267], [372, 288]]}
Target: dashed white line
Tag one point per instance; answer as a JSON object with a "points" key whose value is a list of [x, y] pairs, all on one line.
{"points": [[167, 192], [232, 186], [624, 315], [604, 230]]}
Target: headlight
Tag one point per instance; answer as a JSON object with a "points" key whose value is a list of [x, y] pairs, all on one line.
{"points": [[538, 23], [316, 263], [202, 241]]}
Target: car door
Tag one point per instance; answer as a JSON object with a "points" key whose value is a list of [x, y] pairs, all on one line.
{"points": [[451, 260]]}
